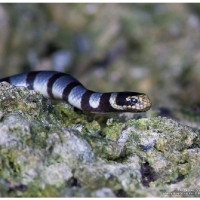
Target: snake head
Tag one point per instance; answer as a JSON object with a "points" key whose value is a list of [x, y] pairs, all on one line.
{"points": [[130, 101]]}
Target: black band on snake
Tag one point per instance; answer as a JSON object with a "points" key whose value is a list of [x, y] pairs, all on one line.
{"points": [[57, 85]]}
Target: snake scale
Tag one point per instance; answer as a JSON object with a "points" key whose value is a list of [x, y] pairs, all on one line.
{"points": [[58, 85]]}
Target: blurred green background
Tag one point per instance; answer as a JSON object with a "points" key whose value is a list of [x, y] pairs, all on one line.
{"points": [[150, 48]]}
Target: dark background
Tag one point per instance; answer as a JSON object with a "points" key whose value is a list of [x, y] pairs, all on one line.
{"points": [[150, 48]]}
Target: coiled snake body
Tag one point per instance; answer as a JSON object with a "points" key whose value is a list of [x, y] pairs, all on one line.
{"points": [[57, 85]]}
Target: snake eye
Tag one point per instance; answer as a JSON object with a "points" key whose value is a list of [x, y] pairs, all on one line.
{"points": [[133, 101]]}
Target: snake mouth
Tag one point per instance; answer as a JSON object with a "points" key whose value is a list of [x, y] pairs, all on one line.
{"points": [[136, 109]]}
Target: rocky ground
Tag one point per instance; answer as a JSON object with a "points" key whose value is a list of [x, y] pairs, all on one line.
{"points": [[51, 150]]}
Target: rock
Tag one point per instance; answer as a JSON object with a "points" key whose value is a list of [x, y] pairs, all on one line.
{"points": [[54, 151]]}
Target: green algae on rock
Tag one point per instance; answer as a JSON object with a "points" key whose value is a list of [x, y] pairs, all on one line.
{"points": [[51, 150], [161, 143]]}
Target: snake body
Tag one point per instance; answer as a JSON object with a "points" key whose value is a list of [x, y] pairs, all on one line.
{"points": [[58, 85]]}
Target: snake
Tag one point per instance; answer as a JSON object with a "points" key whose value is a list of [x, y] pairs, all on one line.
{"points": [[58, 85]]}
